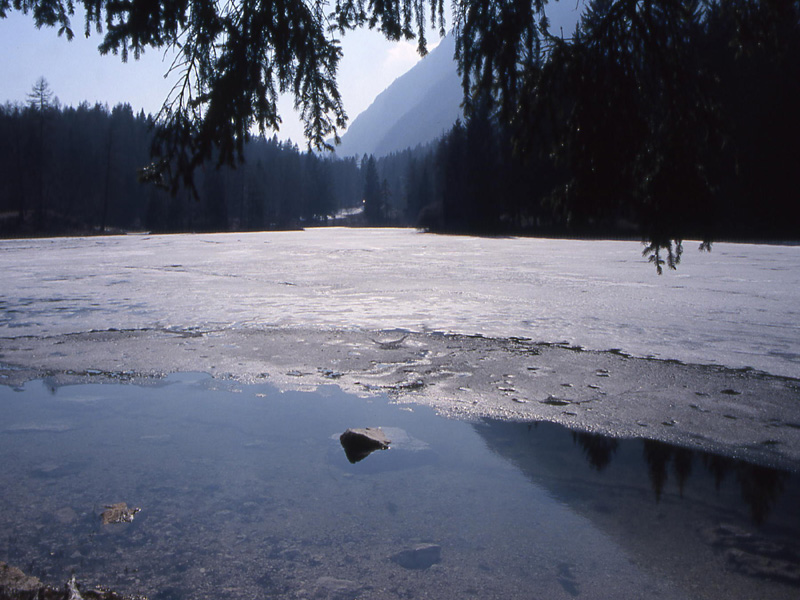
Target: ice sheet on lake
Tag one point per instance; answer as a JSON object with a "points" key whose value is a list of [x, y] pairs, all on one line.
{"points": [[737, 306]]}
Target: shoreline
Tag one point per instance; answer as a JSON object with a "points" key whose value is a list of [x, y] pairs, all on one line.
{"points": [[741, 413]]}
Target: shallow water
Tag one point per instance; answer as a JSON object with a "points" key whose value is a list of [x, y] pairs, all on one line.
{"points": [[246, 492]]}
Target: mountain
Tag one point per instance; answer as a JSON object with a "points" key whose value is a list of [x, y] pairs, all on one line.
{"points": [[416, 108]]}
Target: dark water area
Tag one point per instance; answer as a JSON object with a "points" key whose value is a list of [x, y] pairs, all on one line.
{"points": [[245, 492]]}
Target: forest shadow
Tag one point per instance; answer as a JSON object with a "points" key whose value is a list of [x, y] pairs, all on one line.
{"points": [[571, 463]]}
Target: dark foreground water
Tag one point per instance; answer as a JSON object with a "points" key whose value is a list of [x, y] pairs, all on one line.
{"points": [[245, 492]]}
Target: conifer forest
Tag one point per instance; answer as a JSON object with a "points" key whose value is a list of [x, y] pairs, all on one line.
{"points": [[689, 130]]}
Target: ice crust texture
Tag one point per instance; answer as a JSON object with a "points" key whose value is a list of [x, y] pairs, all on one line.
{"points": [[736, 306]]}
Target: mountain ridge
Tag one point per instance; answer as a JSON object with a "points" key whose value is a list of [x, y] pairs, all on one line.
{"points": [[417, 108]]}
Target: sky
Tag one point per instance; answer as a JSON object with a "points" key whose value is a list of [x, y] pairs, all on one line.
{"points": [[77, 72]]}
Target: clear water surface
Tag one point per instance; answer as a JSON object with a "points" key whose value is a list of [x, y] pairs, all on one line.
{"points": [[246, 492]]}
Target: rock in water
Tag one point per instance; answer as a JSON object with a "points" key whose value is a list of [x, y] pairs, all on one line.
{"points": [[331, 588], [419, 557], [118, 513], [14, 582], [360, 443], [15, 585]]}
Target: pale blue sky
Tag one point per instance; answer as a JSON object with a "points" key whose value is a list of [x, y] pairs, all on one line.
{"points": [[76, 71]]}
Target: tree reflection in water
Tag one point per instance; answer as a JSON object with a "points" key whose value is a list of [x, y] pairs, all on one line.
{"points": [[760, 486], [599, 449], [539, 448]]}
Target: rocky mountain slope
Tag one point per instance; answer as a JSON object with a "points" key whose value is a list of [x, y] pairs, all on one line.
{"points": [[416, 108]]}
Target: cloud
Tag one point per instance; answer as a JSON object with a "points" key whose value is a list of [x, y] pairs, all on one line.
{"points": [[400, 57]]}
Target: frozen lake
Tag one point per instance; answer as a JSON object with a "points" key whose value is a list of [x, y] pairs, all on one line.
{"points": [[245, 490], [738, 306]]}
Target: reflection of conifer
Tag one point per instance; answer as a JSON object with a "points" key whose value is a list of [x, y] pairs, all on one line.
{"points": [[682, 465], [599, 449], [657, 456], [718, 467], [761, 488]]}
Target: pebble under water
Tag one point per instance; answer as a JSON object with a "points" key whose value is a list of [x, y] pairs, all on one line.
{"points": [[245, 492]]}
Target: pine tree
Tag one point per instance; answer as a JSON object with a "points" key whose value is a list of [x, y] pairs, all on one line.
{"points": [[373, 205], [40, 101]]}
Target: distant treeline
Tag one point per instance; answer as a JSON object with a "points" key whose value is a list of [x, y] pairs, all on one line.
{"points": [[663, 121], [66, 170]]}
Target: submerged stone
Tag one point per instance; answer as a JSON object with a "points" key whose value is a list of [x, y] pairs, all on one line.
{"points": [[420, 557], [13, 581], [755, 555], [118, 513], [16, 585], [336, 589], [360, 443]]}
